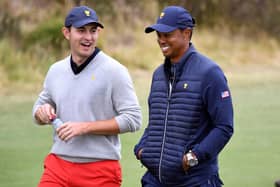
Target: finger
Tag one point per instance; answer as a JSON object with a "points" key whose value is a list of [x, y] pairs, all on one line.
{"points": [[62, 128], [38, 115], [52, 117], [53, 114], [63, 131], [49, 111], [61, 135], [66, 135], [42, 114]]}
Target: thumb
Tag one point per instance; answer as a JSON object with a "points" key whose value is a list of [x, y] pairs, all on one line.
{"points": [[53, 114]]}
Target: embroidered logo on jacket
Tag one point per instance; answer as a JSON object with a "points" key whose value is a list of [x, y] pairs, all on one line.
{"points": [[225, 94]]}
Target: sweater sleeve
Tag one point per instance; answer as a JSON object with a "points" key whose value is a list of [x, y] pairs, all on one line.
{"points": [[43, 98], [218, 102], [125, 102]]}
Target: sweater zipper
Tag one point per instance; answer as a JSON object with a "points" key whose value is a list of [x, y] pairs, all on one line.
{"points": [[170, 84]]}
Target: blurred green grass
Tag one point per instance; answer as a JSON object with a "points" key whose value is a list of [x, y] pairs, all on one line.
{"points": [[22, 144], [252, 156], [250, 159]]}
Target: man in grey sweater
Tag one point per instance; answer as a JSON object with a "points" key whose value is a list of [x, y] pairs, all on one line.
{"points": [[93, 95]]}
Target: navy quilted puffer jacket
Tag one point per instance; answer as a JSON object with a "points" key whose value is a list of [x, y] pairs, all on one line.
{"points": [[190, 108]]}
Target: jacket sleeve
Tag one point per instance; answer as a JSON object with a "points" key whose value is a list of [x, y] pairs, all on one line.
{"points": [[217, 99]]}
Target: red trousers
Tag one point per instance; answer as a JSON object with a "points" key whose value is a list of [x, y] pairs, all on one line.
{"points": [[61, 173]]}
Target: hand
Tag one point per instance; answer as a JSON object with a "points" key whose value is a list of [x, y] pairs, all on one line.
{"points": [[45, 114], [139, 154], [70, 129], [185, 163]]}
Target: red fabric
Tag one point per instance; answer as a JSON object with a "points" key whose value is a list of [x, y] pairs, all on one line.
{"points": [[61, 173]]}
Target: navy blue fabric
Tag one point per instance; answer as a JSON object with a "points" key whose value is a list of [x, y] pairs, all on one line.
{"points": [[148, 180], [171, 18], [78, 69], [197, 116], [80, 16]]}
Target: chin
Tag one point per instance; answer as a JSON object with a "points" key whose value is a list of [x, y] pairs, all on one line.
{"points": [[87, 53], [166, 55]]}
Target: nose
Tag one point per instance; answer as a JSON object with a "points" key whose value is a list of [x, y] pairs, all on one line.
{"points": [[88, 35], [160, 40]]}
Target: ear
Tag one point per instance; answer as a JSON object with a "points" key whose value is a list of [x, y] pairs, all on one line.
{"points": [[66, 32], [187, 34], [99, 30]]}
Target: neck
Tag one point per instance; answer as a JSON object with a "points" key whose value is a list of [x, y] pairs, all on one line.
{"points": [[79, 60], [176, 59]]}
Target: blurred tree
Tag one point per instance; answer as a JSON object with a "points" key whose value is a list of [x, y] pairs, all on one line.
{"points": [[9, 25], [78, 2], [238, 15]]}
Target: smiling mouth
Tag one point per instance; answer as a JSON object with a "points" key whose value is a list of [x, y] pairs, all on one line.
{"points": [[165, 48], [85, 45]]}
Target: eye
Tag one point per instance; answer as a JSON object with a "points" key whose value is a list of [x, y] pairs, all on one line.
{"points": [[167, 35], [160, 35], [94, 30], [81, 30]]}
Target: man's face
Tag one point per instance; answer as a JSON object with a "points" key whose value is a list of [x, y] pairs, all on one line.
{"points": [[174, 44], [82, 40]]}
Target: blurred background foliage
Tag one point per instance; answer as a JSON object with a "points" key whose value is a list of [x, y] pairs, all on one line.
{"points": [[247, 16], [241, 36], [31, 39]]}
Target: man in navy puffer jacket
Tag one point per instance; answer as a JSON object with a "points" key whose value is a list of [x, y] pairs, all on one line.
{"points": [[190, 110]]}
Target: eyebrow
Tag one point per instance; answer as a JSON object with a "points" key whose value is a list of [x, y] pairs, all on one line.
{"points": [[89, 26]]}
